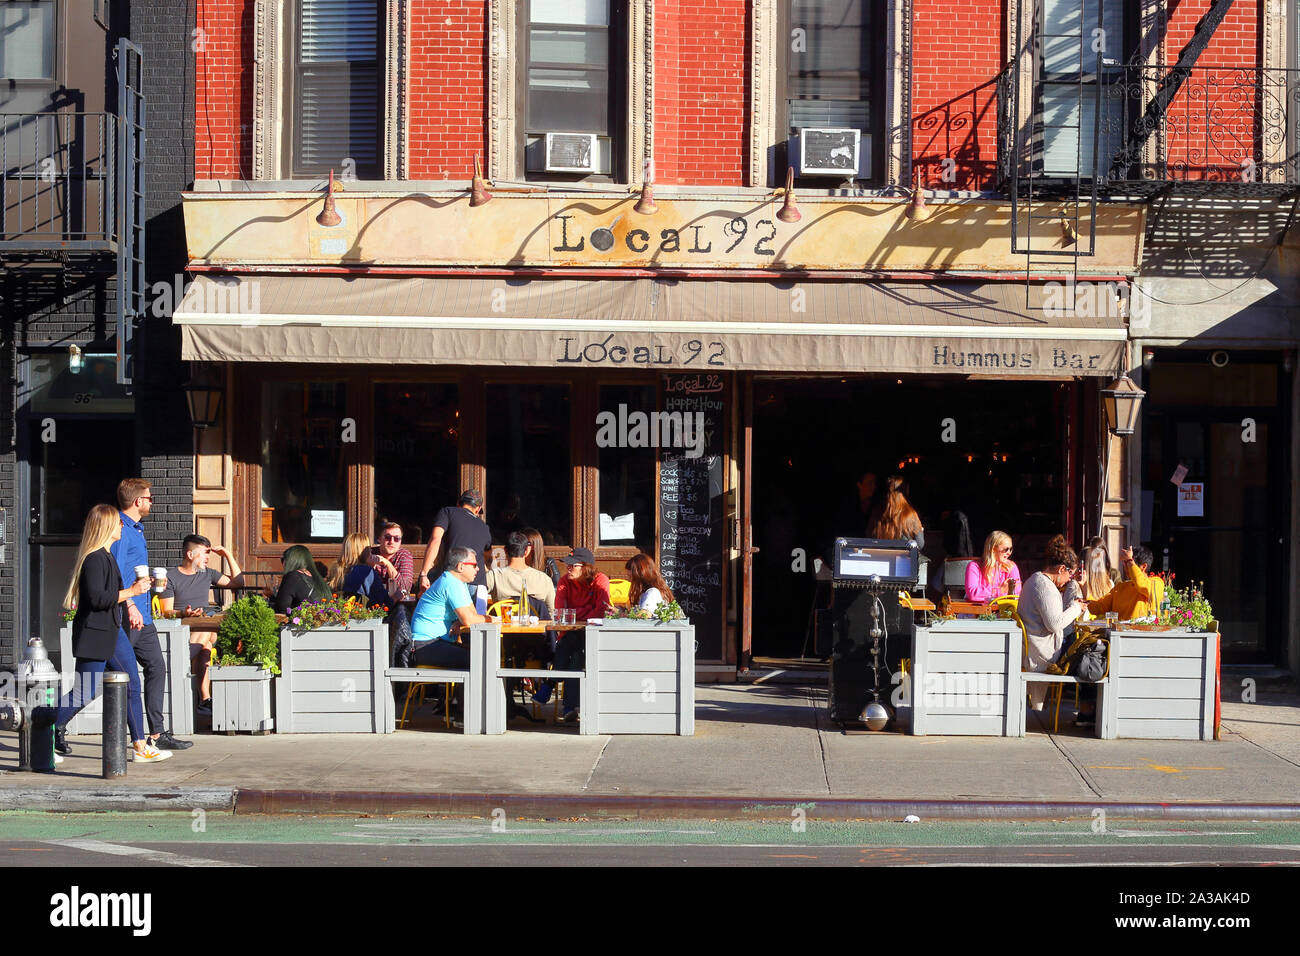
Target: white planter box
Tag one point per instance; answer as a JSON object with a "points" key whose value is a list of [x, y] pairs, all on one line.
{"points": [[1163, 685], [178, 692], [966, 680], [241, 700], [332, 680], [640, 678]]}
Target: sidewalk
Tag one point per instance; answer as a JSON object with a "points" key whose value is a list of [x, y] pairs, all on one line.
{"points": [[755, 745]]}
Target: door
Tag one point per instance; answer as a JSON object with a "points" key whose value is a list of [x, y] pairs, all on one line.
{"points": [[74, 464]]}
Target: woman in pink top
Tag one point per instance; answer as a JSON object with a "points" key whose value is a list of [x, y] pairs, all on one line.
{"points": [[987, 578]]}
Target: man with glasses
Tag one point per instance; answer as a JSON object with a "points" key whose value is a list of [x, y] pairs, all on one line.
{"points": [[442, 606], [393, 562], [135, 500]]}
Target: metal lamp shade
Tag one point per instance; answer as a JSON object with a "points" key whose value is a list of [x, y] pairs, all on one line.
{"points": [[1122, 400], [204, 402]]}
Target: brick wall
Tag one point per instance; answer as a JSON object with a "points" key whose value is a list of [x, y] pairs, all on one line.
{"points": [[223, 90], [448, 88], [956, 57]]}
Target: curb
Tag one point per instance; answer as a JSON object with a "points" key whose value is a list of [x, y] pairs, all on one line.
{"points": [[116, 799], [522, 806], [623, 807]]}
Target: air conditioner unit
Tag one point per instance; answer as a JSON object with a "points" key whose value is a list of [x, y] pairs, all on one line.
{"points": [[571, 153], [832, 152]]}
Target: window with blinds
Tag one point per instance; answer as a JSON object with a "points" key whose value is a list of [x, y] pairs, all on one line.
{"points": [[1073, 59], [835, 58], [573, 77], [338, 95]]}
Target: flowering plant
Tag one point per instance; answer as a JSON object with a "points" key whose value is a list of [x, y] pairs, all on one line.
{"points": [[1188, 608], [337, 611], [68, 614]]}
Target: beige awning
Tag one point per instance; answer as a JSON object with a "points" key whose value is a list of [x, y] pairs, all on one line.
{"points": [[660, 323]]}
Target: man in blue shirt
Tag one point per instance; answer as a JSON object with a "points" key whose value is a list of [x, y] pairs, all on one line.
{"points": [[135, 498], [441, 607]]}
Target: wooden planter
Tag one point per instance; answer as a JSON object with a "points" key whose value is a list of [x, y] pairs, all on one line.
{"points": [[178, 691], [641, 677], [332, 680], [966, 680], [241, 700], [1165, 685]]}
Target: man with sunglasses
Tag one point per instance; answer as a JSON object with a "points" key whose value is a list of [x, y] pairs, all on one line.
{"points": [[442, 606]]}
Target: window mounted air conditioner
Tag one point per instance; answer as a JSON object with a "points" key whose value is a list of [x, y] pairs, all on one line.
{"points": [[571, 153], [833, 152]]}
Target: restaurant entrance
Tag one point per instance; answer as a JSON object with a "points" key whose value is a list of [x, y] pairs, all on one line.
{"points": [[996, 451], [1219, 415]]}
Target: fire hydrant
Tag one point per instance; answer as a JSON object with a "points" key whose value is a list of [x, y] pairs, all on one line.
{"points": [[38, 687]]}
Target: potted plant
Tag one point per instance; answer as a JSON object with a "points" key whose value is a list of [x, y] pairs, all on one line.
{"points": [[1189, 608], [640, 673], [333, 658], [248, 655]]}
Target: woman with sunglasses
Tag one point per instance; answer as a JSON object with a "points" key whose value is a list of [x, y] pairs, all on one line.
{"points": [[995, 574], [1046, 614]]}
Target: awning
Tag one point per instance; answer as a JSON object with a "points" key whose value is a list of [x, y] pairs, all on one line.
{"points": [[662, 323]]}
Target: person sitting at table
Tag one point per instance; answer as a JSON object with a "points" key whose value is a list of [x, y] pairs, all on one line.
{"points": [[988, 577], [1097, 581], [898, 520], [395, 564], [539, 559], [649, 589], [444, 604], [506, 584], [1042, 612], [1138, 595], [586, 590], [1098, 542], [189, 589], [352, 576], [302, 580]]}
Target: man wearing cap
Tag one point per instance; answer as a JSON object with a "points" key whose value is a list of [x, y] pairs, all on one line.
{"points": [[586, 590]]}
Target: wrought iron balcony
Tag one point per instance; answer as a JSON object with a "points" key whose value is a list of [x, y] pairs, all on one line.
{"points": [[59, 180], [1200, 131]]}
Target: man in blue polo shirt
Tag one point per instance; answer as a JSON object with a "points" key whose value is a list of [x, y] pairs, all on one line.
{"points": [[134, 499], [442, 606]]}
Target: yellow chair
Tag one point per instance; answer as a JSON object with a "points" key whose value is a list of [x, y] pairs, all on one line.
{"points": [[419, 688], [620, 592]]}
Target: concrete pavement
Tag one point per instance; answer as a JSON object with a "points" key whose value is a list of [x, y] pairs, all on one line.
{"points": [[753, 743]]}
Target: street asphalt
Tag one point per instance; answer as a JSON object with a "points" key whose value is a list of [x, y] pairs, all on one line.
{"points": [[755, 744]]}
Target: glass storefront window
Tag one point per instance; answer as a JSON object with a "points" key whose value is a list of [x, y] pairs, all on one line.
{"points": [[627, 468], [529, 470], [304, 472], [417, 460]]}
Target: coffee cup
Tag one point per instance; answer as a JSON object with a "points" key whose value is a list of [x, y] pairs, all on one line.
{"points": [[141, 572], [159, 580]]}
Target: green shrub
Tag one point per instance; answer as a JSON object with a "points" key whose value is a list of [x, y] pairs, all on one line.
{"points": [[249, 635]]}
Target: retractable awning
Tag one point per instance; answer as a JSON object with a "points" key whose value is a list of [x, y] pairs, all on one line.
{"points": [[667, 323]]}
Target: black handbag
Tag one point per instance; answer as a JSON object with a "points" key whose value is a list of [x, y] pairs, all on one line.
{"points": [[1093, 663]]}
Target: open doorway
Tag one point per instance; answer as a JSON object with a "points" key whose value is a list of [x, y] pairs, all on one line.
{"points": [[993, 450]]}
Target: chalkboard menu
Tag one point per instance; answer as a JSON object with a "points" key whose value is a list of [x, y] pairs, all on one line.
{"points": [[691, 504]]}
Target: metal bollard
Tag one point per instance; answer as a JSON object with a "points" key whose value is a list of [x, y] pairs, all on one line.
{"points": [[115, 734]]}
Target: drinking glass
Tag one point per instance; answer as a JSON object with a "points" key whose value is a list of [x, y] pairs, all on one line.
{"points": [[1112, 619]]}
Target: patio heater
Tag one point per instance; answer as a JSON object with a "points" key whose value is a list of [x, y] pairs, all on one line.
{"points": [[865, 614]]}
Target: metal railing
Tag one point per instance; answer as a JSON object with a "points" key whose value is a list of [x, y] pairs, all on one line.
{"points": [[58, 181], [1228, 130]]}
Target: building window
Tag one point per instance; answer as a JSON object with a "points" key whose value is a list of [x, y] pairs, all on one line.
{"points": [[628, 496], [304, 472], [573, 80], [27, 41], [834, 79], [337, 89], [417, 454], [1080, 69], [529, 462]]}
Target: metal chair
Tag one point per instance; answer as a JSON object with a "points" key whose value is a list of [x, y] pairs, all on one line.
{"points": [[954, 576]]}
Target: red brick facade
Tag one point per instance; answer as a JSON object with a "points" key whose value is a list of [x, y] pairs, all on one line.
{"points": [[702, 87]]}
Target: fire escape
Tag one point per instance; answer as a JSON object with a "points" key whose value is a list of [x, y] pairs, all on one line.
{"points": [[73, 186], [1093, 128]]}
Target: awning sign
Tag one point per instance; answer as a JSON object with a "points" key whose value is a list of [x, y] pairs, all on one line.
{"points": [[1191, 499]]}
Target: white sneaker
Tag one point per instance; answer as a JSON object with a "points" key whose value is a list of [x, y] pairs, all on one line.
{"points": [[58, 759], [150, 754]]}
